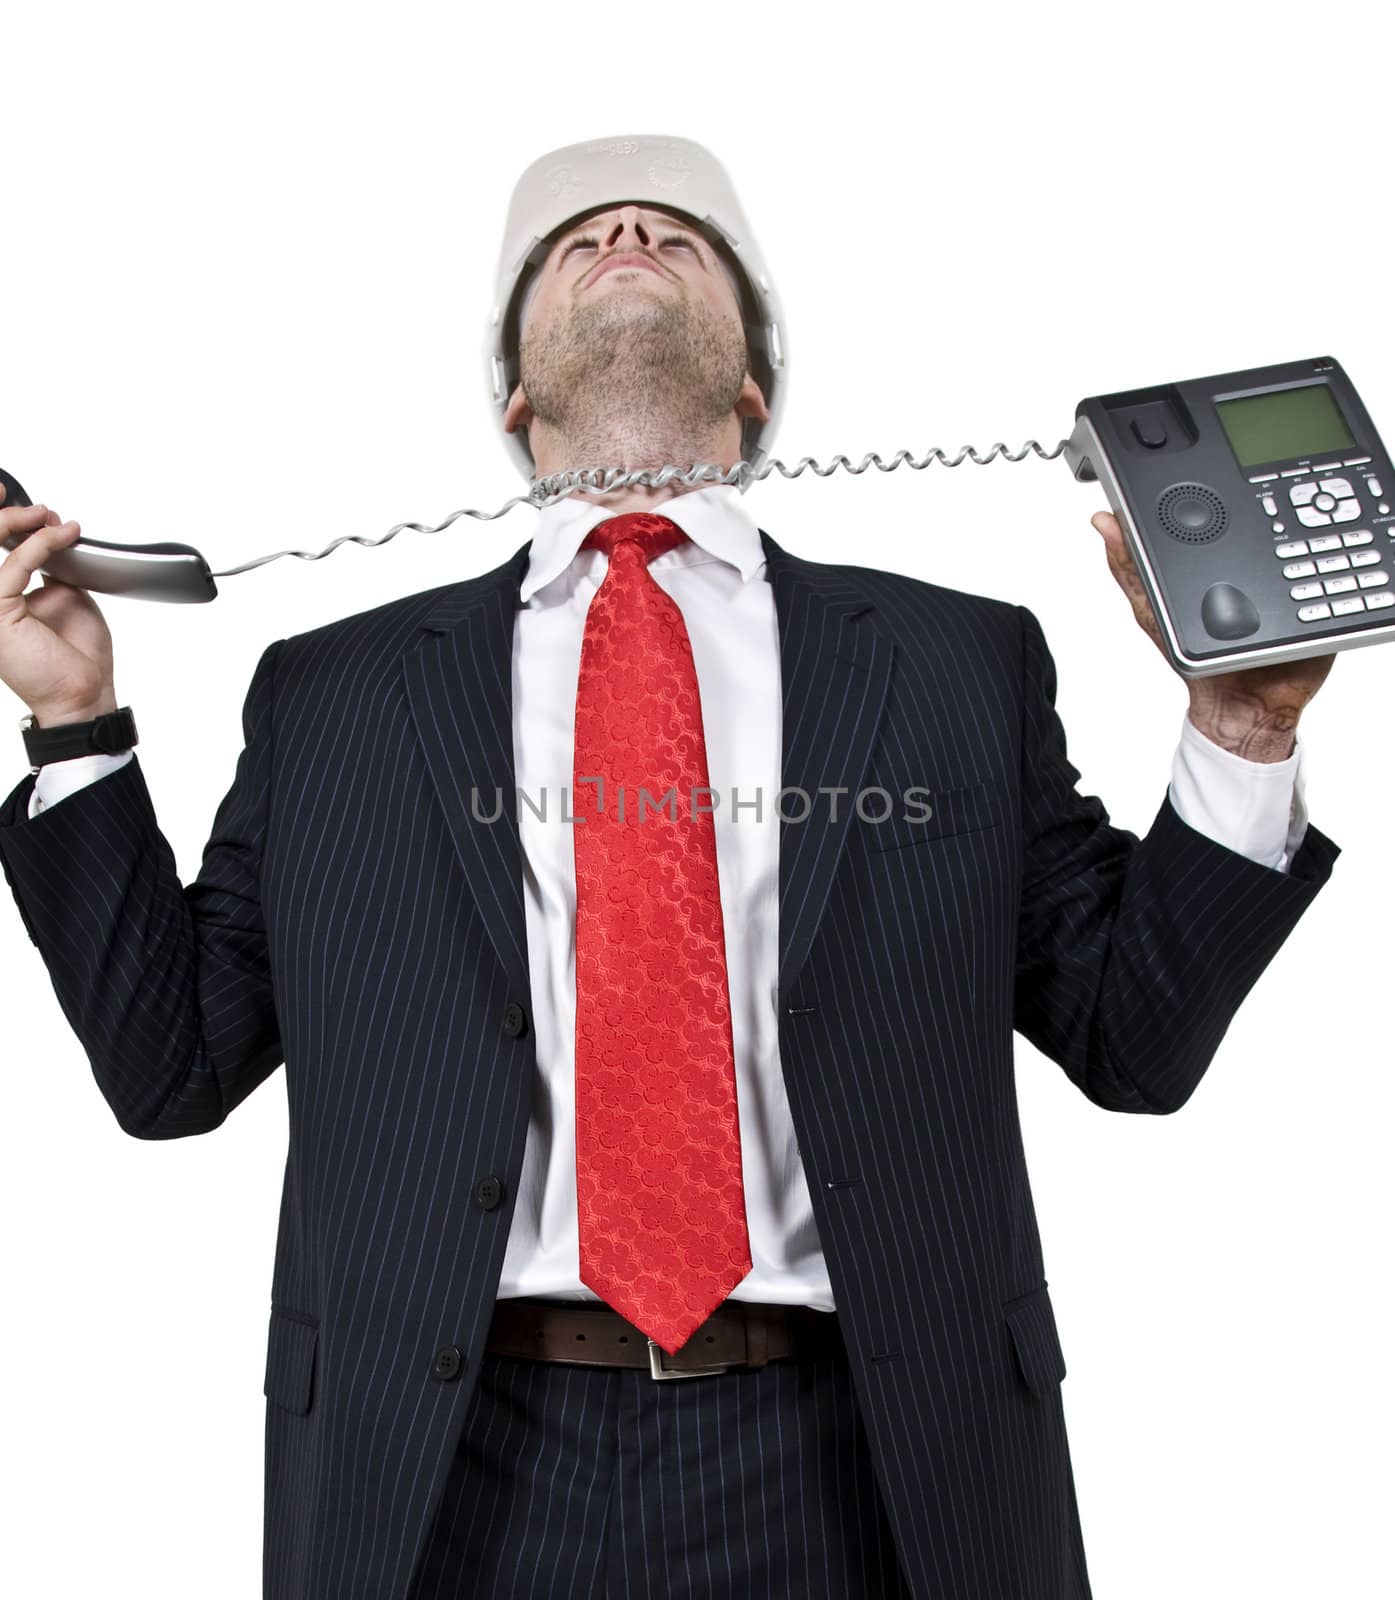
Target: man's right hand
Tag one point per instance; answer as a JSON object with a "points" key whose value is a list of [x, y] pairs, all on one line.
{"points": [[55, 646]]}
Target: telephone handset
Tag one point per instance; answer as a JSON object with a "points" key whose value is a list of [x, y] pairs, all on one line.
{"points": [[165, 571], [1256, 506]]}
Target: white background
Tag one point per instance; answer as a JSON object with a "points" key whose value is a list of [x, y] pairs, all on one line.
{"points": [[248, 256]]}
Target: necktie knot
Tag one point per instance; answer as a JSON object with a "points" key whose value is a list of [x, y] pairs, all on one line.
{"points": [[650, 533]]}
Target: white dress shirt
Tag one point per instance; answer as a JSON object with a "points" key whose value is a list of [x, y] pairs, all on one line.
{"points": [[718, 583]]}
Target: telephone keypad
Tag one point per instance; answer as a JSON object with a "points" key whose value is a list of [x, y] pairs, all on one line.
{"points": [[1320, 595]]}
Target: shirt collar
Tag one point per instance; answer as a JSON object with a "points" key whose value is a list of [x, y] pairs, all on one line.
{"points": [[712, 517]]}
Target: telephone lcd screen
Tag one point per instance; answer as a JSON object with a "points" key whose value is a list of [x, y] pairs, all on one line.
{"points": [[1287, 423]]}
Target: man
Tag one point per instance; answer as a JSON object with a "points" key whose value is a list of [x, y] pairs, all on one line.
{"points": [[655, 1218]]}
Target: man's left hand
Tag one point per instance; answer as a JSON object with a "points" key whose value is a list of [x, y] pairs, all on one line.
{"points": [[1252, 712]]}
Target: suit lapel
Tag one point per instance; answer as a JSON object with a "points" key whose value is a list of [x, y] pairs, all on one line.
{"points": [[459, 687], [834, 670]]}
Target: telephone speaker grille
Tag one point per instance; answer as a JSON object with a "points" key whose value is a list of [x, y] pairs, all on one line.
{"points": [[1192, 512]]}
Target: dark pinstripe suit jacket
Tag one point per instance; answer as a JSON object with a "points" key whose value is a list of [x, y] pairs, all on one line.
{"points": [[351, 919]]}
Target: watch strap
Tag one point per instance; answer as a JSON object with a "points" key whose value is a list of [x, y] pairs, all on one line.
{"points": [[109, 734]]}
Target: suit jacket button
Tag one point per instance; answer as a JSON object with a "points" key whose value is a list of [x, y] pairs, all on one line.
{"points": [[448, 1362], [488, 1193], [515, 1021]]}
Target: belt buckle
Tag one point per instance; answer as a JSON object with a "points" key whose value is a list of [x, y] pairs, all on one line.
{"points": [[657, 1369]]}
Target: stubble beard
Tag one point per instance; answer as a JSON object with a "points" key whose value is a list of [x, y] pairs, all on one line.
{"points": [[633, 378]]}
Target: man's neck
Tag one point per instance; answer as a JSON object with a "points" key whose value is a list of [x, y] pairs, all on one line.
{"points": [[722, 449], [639, 497]]}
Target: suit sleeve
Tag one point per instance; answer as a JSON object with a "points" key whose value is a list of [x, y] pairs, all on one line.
{"points": [[168, 988], [1134, 954]]}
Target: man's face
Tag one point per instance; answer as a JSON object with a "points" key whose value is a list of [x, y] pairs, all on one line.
{"points": [[635, 297]]}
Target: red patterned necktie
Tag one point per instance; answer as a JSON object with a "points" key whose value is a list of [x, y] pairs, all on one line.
{"points": [[661, 1210]]}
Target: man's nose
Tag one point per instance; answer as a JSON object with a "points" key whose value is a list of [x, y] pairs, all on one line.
{"points": [[628, 231]]}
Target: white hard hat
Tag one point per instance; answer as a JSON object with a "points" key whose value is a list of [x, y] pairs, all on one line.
{"points": [[577, 180]]}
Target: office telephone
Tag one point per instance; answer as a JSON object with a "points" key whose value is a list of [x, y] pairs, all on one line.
{"points": [[1256, 506]]}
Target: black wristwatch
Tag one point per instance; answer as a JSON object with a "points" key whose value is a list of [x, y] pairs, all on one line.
{"points": [[109, 734]]}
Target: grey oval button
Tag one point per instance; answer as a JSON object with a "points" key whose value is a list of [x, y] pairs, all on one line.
{"points": [[1228, 612]]}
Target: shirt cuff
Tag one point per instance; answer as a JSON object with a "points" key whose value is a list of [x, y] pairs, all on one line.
{"points": [[55, 780], [1256, 808]]}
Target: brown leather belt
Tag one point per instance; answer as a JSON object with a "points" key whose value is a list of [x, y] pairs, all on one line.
{"points": [[739, 1333]]}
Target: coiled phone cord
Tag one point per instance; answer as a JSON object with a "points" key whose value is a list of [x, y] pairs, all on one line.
{"points": [[557, 486]]}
